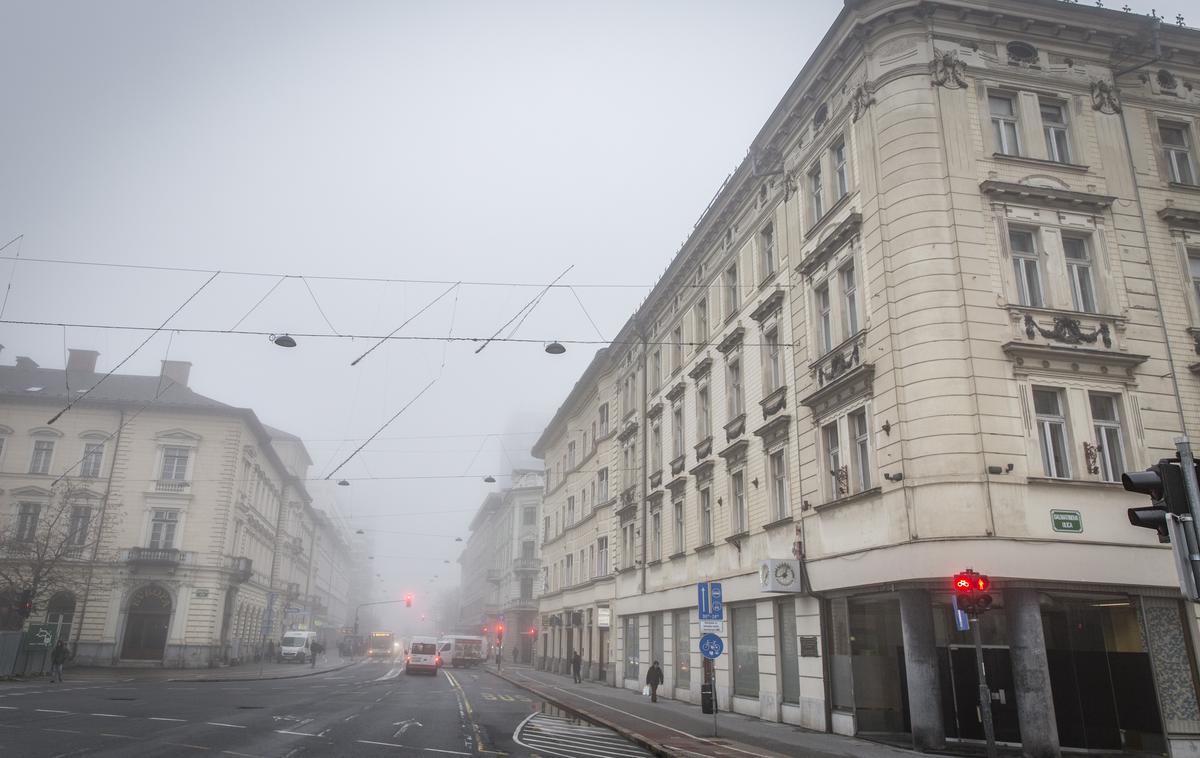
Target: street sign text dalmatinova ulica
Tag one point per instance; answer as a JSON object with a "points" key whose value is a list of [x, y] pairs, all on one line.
{"points": [[1066, 521]]}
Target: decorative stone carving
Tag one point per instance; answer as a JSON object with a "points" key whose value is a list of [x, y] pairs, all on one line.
{"points": [[838, 365], [677, 465], [768, 307], [860, 100], [947, 70], [732, 340], [737, 426], [628, 432], [704, 448], [842, 477], [1090, 457], [701, 369], [656, 478], [1069, 331], [676, 392], [1104, 97], [775, 402], [790, 187]]}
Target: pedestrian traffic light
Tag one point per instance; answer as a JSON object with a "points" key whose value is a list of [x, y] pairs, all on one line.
{"points": [[1163, 482], [533, 631], [973, 591], [25, 605], [485, 630], [408, 601], [499, 633]]}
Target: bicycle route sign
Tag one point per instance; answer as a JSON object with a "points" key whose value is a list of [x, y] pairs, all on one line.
{"points": [[711, 646]]}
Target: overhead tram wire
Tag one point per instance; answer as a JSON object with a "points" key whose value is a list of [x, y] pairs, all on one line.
{"points": [[72, 401], [407, 321], [254, 307], [13, 274], [398, 337], [526, 310], [379, 431]]}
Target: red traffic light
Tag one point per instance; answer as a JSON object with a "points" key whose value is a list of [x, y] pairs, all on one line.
{"points": [[485, 630], [982, 583], [499, 628], [963, 583], [408, 601], [532, 631]]}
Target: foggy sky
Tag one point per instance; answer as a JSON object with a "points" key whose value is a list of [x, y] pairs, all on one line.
{"points": [[475, 141]]}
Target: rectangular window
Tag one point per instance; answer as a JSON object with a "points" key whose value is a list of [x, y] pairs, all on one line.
{"points": [[656, 535], [678, 544], [628, 545], [656, 373], [737, 498], [733, 296], [733, 373], [77, 530], [841, 175], [1052, 432], [824, 320], [1004, 124], [1079, 272], [1177, 152], [676, 349], [174, 464], [780, 506], [744, 629], [766, 251], [1110, 448], [1054, 126], [656, 445], [27, 521], [604, 420], [772, 362], [703, 413], [702, 320], [706, 536], [682, 649], [861, 434], [602, 566], [43, 451], [1026, 266], [602, 482], [836, 475], [849, 300], [571, 455], [1194, 273], [815, 194], [93, 456], [789, 653], [570, 510], [529, 516], [162, 530], [569, 571], [676, 431]]}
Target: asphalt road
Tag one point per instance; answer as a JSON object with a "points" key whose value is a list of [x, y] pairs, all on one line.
{"points": [[372, 709]]}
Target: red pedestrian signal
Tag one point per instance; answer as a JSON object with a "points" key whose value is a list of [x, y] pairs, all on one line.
{"points": [[408, 601], [532, 631], [485, 630]]}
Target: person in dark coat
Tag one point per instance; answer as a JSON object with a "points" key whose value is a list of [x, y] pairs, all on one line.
{"points": [[576, 665], [654, 677], [60, 655]]}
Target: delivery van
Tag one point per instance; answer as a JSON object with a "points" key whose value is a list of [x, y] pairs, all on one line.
{"points": [[461, 651], [422, 656], [297, 646]]}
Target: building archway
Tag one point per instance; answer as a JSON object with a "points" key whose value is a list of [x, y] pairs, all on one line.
{"points": [[147, 621]]}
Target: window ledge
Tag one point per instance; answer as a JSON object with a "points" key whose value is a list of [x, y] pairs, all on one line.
{"points": [[824, 219], [1053, 481], [707, 547], [738, 539], [1184, 187], [655, 562], [1029, 160], [847, 499], [680, 554], [778, 523]]}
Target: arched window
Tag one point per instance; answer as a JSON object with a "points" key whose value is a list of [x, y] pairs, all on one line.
{"points": [[60, 614]]}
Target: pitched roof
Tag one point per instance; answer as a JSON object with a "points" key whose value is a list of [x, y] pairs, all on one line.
{"points": [[121, 389]]}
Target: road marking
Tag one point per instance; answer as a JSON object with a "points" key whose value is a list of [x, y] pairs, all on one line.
{"points": [[298, 734], [164, 718], [351, 717], [49, 710], [227, 726], [64, 731], [407, 747], [240, 755], [184, 744], [9, 708], [122, 736], [107, 715]]}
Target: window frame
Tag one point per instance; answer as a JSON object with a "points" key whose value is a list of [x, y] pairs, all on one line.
{"points": [[701, 326], [176, 527], [739, 510], [1045, 422], [1075, 269], [841, 168], [679, 524], [1022, 260], [779, 486], [704, 506], [1175, 156], [47, 460], [816, 193], [768, 264], [1109, 468], [29, 516], [735, 385], [1002, 123], [1056, 134], [732, 293]]}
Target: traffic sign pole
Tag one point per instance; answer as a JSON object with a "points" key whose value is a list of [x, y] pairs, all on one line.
{"points": [[985, 693]]}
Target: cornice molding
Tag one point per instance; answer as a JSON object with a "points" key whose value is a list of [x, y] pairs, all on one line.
{"points": [[837, 237], [1050, 197], [731, 340], [1180, 218]]}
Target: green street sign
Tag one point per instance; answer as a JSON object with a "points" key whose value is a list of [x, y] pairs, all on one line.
{"points": [[39, 637], [1066, 521]]}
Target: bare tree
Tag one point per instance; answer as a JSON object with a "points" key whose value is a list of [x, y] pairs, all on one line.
{"points": [[48, 544]]}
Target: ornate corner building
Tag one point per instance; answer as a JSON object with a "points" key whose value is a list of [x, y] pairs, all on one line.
{"points": [[950, 295]]}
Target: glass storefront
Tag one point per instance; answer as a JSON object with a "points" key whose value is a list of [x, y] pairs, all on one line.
{"points": [[789, 654], [744, 626], [656, 638], [681, 629], [877, 664], [632, 649]]}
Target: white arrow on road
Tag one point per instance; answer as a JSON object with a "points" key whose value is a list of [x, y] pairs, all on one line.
{"points": [[404, 726]]}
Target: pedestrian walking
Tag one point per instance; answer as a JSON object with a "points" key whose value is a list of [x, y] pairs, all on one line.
{"points": [[316, 649], [514, 653], [654, 677], [576, 665], [60, 655]]}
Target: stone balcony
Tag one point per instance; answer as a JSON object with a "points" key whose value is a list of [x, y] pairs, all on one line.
{"points": [[526, 564], [153, 556], [242, 568], [172, 487]]}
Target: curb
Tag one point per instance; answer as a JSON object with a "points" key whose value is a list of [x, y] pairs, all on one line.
{"points": [[627, 733], [265, 678]]}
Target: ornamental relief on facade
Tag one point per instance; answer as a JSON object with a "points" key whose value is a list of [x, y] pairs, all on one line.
{"points": [[947, 70]]}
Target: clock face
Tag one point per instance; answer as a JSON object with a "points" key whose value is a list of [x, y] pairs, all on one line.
{"points": [[784, 574]]}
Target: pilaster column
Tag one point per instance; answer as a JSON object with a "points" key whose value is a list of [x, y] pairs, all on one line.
{"points": [[921, 669]]}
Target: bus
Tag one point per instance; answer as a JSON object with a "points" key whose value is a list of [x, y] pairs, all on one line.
{"points": [[381, 645]]}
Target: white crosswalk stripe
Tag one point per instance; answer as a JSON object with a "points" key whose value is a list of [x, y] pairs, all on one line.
{"points": [[566, 738]]}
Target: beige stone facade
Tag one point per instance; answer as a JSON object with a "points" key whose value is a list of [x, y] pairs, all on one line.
{"points": [[192, 539], [946, 300]]}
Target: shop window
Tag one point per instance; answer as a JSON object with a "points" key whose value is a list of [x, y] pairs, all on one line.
{"points": [[633, 654], [682, 649], [744, 630], [789, 654], [656, 638]]}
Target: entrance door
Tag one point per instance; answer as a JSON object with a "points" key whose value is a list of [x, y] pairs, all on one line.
{"points": [[998, 667], [603, 654], [146, 625]]}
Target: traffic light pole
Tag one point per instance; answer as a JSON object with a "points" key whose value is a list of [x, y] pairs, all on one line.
{"points": [[1187, 521], [985, 692]]}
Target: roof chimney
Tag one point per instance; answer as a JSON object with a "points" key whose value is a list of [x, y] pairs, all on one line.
{"points": [[25, 362], [82, 360], [177, 371]]}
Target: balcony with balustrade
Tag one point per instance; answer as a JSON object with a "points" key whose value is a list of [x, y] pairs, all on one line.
{"points": [[527, 565], [165, 557]]}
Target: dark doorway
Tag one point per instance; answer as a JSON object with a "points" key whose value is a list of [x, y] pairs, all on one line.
{"points": [[146, 625], [965, 676]]}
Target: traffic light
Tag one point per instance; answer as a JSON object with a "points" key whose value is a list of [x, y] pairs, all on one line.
{"points": [[25, 605], [1163, 482], [533, 631], [485, 631], [408, 601], [973, 591], [499, 633]]}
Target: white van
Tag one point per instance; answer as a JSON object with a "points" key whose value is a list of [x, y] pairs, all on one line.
{"points": [[460, 650], [422, 656], [297, 646]]}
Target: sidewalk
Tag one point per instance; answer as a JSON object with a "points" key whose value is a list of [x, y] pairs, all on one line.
{"points": [[244, 672], [674, 728]]}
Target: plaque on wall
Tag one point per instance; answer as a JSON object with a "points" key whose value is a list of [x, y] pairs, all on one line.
{"points": [[808, 647]]}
